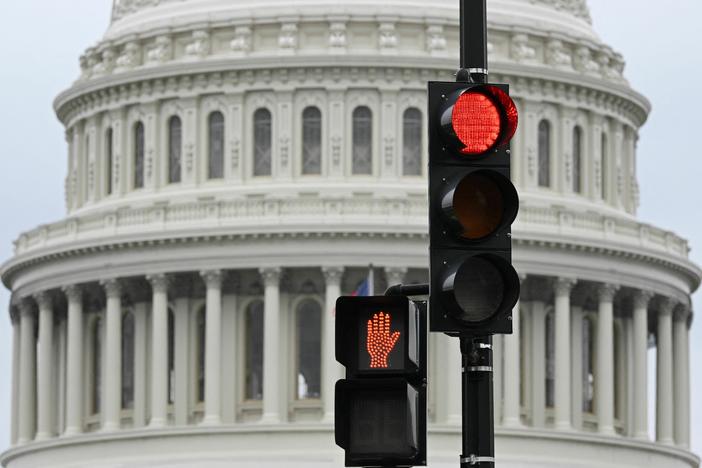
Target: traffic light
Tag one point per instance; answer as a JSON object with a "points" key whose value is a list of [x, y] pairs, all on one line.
{"points": [[472, 204], [380, 408]]}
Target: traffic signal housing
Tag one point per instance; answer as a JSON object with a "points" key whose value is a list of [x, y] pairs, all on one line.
{"points": [[380, 407], [472, 204]]}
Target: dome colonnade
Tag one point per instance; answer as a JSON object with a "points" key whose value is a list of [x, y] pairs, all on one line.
{"points": [[232, 169], [578, 361]]}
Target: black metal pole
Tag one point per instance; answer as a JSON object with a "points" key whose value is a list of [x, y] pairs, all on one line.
{"points": [[478, 423], [474, 61]]}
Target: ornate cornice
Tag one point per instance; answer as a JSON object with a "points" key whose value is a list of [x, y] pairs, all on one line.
{"points": [[136, 58], [577, 8], [244, 220], [122, 8]]}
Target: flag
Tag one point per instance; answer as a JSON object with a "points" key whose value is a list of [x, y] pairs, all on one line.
{"points": [[366, 286]]}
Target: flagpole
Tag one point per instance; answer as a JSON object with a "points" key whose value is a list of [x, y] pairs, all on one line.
{"points": [[371, 286]]}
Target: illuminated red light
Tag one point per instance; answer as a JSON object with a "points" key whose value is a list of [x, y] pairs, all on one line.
{"points": [[476, 122], [380, 341]]}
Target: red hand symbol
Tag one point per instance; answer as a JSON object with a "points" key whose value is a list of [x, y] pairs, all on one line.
{"points": [[380, 342]]}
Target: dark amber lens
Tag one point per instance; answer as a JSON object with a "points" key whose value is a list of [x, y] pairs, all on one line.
{"points": [[478, 206]]}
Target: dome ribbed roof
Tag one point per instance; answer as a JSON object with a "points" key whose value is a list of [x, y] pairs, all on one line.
{"points": [[571, 17]]}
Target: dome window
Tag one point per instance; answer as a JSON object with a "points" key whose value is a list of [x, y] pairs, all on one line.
{"points": [[215, 146], [108, 161], [412, 142], [577, 159], [263, 142], [544, 154], [311, 141], [175, 148], [139, 155], [362, 154]]}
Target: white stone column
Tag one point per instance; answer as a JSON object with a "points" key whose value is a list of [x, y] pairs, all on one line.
{"points": [[454, 365], [498, 347], [16, 352], [664, 368], [159, 350], [604, 377], [181, 359], [511, 378], [271, 346], [213, 347], [74, 366], [686, 424], [27, 382], [111, 405], [45, 387], [640, 390], [331, 370], [538, 364], [562, 289], [681, 371]]}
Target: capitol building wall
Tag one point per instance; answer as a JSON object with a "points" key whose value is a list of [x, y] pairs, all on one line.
{"points": [[234, 166]]}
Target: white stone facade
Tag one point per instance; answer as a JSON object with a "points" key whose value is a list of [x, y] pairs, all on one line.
{"points": [[235, 166]]}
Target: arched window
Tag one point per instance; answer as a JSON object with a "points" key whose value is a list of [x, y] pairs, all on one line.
{"points": [[588, 379], [412, 142], [311, 141], [215, 145], [362, 138], [96, 367], [550, 361], [175, 149], [253, 353], [263, 143], [603, 167], [577, 159], [171, 357], [200, 323], [139, 155], [128, 360], [308, 325], [108, 161], [544, 149]]}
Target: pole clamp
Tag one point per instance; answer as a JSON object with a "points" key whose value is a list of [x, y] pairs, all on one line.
{"points": [[474, 460]]}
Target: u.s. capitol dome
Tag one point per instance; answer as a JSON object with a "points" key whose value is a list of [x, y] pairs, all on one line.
{"points": [[234, 166]]}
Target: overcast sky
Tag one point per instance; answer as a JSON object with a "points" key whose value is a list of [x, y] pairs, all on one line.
{"points": [[41, 40]]}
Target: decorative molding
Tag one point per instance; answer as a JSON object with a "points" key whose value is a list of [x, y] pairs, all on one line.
{"points": [[606, 292], [159, 282], [563, 286], [577, 8], [642, 298], [666, 306], [43, 300], [113, 287], [212, 278], [395, 275], [332, 275], [271, 276]]}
